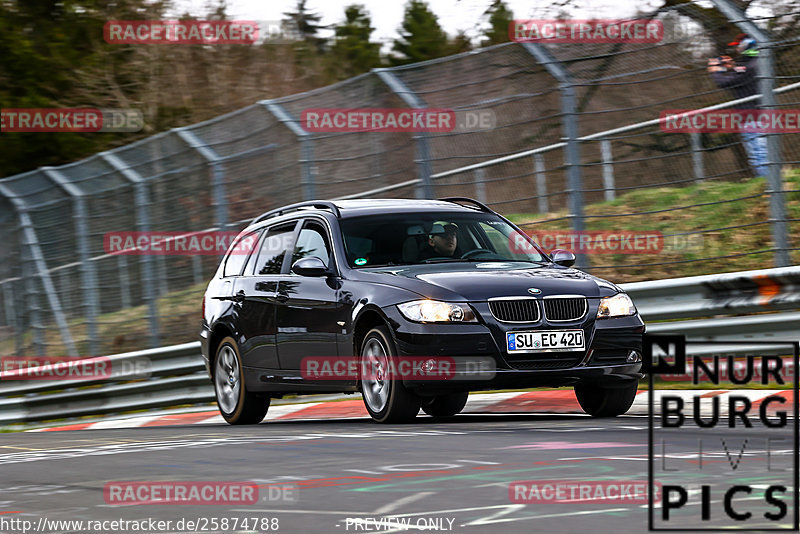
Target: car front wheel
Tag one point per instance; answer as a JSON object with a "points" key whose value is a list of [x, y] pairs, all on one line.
{"points": [[600, 401], [385, 397], [236, 404]]}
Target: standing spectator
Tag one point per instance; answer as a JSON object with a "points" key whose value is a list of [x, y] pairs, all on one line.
{"points": [[741, 79]]}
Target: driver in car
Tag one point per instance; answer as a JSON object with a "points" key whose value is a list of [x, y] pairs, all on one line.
{"points": [[442, 241]]}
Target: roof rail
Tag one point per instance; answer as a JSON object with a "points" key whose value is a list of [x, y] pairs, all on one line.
{"points": [[479, 205], [319, 204]]}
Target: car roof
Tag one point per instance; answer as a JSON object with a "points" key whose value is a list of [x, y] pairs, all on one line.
{"points": [[355, 208], [344, 209]]}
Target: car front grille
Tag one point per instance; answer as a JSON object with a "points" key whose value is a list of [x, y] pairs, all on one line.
{"points": [[561, 361], [564, 308], [515, 310]]}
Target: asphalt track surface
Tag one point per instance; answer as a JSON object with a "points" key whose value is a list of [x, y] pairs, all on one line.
{"points": [[352, 475]]}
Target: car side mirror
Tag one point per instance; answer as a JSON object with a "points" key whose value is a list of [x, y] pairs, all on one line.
{"points": [[562, 257], [311, 266]]}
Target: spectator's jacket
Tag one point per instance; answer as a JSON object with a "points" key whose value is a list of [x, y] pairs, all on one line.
{"points": [[742, 81]]}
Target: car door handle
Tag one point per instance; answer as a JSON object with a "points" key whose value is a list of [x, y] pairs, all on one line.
{"points": [[239, 296], [281, 297]]}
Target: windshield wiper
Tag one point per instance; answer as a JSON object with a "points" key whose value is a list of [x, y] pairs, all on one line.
{"points": [[444, 260]]}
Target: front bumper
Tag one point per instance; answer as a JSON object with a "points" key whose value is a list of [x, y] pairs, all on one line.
{"points": [[605, 361]]}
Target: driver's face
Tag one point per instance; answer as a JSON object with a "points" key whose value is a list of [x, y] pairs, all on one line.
{"points": [[444, 244]]}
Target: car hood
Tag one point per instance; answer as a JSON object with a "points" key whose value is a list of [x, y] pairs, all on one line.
{"points": [[480, 281]]}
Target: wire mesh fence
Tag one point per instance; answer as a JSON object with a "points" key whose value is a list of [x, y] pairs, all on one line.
{"points": [[574, 144]]}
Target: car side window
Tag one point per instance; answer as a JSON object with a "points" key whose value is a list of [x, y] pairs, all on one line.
{"points": [[275, 244], [313, 241], [239, 254]]}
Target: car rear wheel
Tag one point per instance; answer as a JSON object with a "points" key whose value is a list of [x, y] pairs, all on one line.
{"points": [[386, 398], [446, 405], [236, 404], [600, 401]]}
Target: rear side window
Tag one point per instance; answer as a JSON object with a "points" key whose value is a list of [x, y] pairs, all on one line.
{"points": [[239, 253], [274, 246]]}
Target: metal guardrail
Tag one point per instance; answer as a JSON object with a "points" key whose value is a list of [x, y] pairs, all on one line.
{"points": [[175, 375]]}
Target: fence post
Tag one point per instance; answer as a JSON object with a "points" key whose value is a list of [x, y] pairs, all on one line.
{"points": [[124, 281], [89, 285], [122, 269], [8, 305], [141, 202], [33, 252], [609, 188], [766, 75], [697, 156], [18, 320], [426, 188], [308, 170], [572, 154], [217, 174], [11, 311], [541, 183], [480, 186]]}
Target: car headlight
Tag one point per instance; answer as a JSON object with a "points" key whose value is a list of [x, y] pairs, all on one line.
{"points": [[619, 305], [434, 311]]}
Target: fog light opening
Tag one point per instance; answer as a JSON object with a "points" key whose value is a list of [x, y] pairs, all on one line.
{"points": [[634, 357]]}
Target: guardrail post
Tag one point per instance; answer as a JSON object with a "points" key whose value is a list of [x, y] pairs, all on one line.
{"points": [[766, 75], [697, 156], [142, 202], [308, 170], [610, 189], [426, 188], [541, 183], [480, 186], [572, 154], [89, 286]]}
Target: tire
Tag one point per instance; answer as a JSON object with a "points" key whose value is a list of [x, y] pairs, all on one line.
{"points": [[606, 402], [446, 405], [387, 401], [236, 404]]}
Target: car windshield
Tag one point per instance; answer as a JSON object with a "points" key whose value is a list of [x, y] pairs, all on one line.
{"points": [[420, 238]]}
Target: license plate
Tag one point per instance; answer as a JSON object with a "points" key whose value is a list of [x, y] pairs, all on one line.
{"points": [[545, 341]]}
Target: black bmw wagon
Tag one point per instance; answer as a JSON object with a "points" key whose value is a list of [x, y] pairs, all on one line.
{"points": [[413, 303]]}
